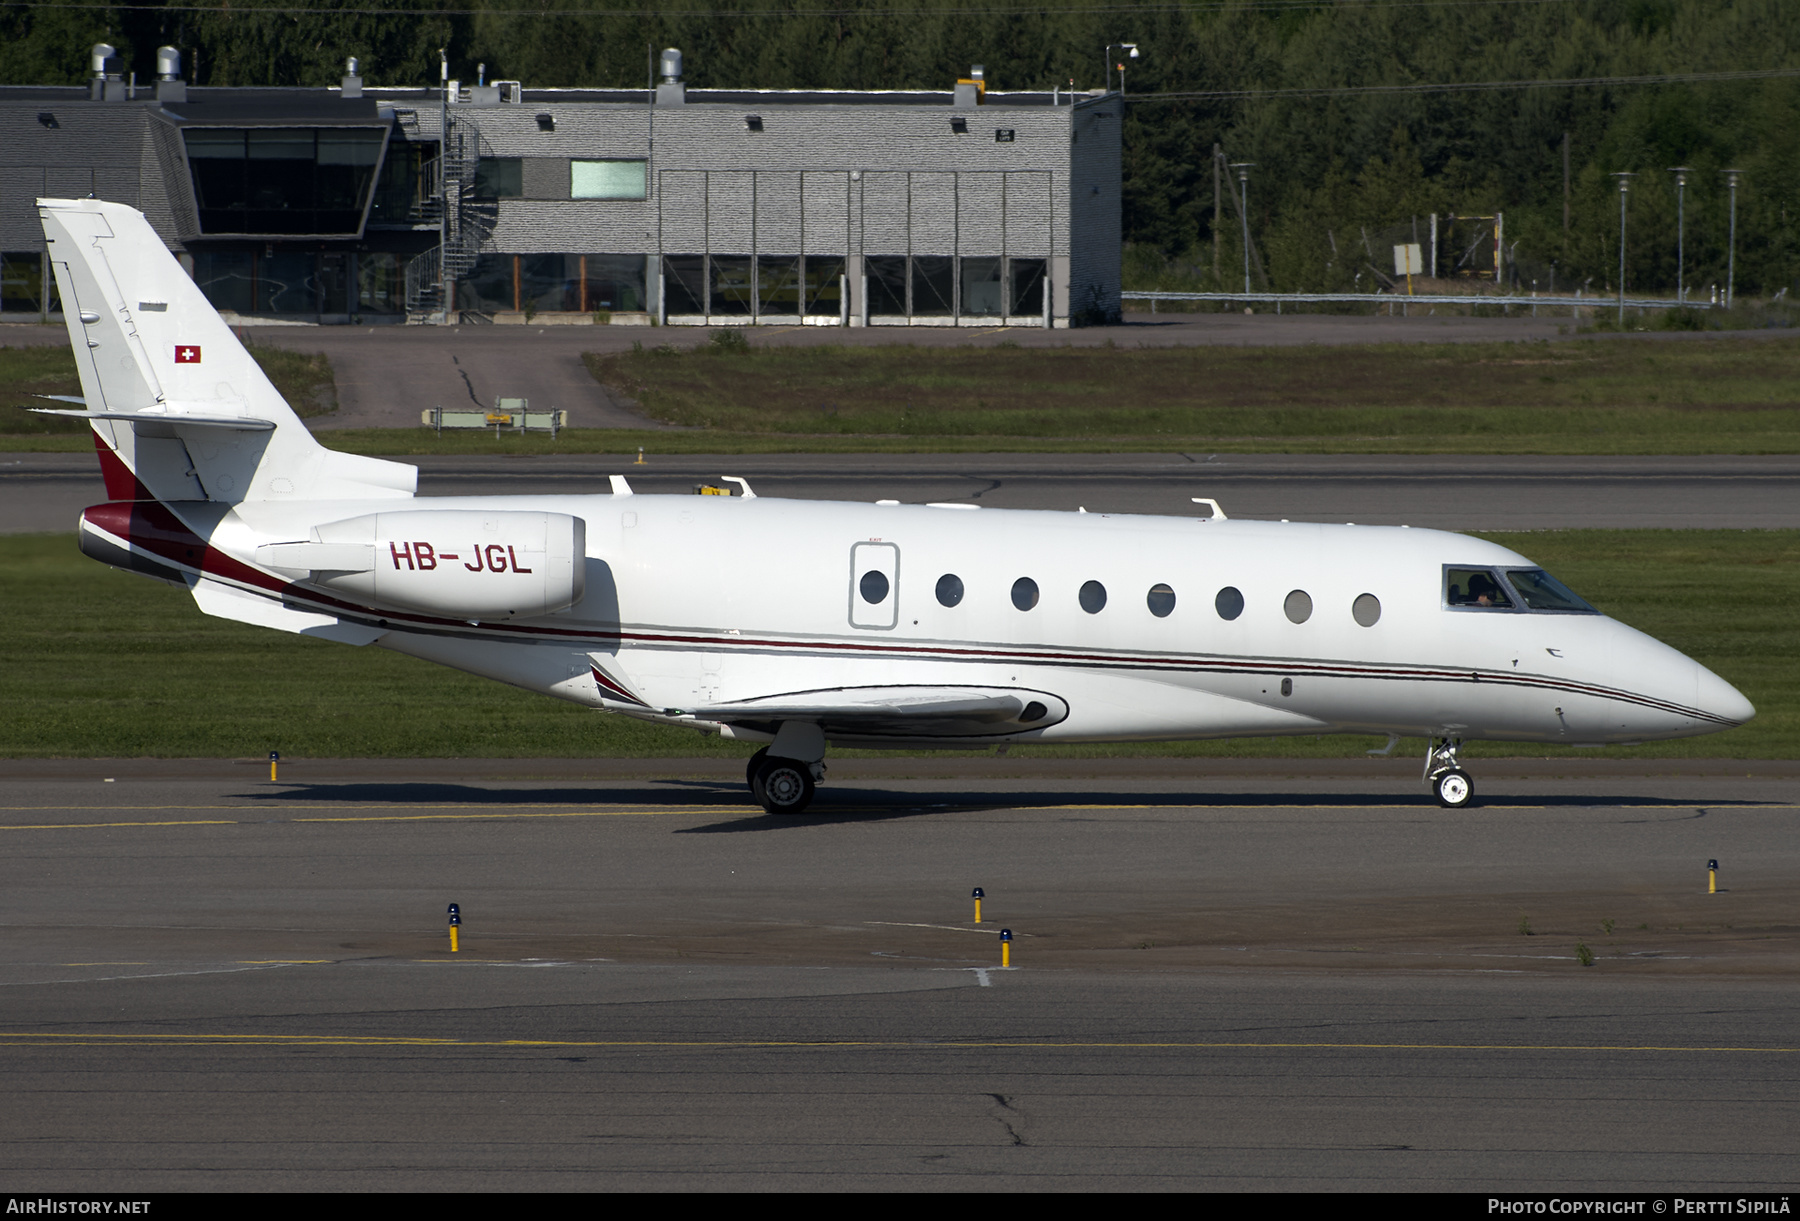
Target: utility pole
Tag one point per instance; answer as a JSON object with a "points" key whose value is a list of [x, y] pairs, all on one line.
{"points": [[1130, 47], [1731, 179], [1218, 205], [1243, 168], [1565, 188], [1681, 172], [1624, 177]]}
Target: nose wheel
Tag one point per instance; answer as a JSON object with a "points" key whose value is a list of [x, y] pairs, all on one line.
{"points": [[1454, 789], [1450, 784]]}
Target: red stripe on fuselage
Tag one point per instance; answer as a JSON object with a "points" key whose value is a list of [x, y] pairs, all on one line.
{"points": [[151, 527]]}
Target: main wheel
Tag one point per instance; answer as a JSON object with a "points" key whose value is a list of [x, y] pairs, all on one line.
{"points": [[1454, 789], [751, 768], [784, 786]]}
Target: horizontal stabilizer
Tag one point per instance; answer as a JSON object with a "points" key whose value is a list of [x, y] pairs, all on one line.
{"points": [[238, 423], [228, 602]]}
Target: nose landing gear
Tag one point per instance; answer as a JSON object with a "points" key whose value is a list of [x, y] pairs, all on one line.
{"points": [[1450, 784]]}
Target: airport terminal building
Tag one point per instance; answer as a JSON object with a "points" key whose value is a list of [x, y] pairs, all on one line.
{"points": [[493, 202]]}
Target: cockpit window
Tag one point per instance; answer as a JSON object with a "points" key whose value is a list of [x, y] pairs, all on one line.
{"points": [[1475, 589], [1542, 592]]}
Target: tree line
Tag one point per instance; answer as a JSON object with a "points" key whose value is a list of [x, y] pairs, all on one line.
{"points": [[1281, 84]]}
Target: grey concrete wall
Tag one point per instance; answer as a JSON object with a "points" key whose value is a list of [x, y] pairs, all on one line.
{"points": [[1095, 249], [843, 179]]}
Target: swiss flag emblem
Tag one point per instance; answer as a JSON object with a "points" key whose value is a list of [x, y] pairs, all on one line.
{"points": [[187, 354]]}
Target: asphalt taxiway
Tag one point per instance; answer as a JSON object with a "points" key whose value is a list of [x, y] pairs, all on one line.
{"points": [[1224, 975]]}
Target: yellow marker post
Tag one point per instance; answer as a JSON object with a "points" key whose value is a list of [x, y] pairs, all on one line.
{"points": [[640, 460], [274, 758], [1712, 877], [455, 922], [1006, 947], [978, 897]]}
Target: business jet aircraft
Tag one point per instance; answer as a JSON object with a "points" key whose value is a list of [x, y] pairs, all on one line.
{"points": [[801, 624]]}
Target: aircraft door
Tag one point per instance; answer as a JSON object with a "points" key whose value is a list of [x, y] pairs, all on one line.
{"points": [[874, 586]]}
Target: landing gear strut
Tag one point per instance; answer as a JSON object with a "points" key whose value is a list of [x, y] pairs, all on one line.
{"points": [[1450, 784], [781, 786]]}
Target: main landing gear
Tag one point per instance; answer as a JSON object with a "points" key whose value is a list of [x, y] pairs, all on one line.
{"points": [[1450, 784], [782, 786]]}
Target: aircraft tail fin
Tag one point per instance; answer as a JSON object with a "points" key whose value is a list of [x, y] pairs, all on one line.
{"points": [[179, 409]]}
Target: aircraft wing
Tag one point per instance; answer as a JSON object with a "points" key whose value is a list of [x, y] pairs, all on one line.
{"points": [[900, 711], [903, 712]]}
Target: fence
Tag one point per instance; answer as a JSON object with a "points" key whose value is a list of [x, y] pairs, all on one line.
{"points": [[1507, 302]]}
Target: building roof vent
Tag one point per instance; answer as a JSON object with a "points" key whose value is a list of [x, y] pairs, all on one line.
{"points": [[670, 91], [352, 78], [169, 85], [971, 90], [106, 85]]}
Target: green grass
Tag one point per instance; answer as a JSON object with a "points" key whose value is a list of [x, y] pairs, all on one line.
{"points": [[1589, 396], [97, 662], [303, 378]]}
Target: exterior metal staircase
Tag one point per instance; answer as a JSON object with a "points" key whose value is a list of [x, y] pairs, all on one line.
{"points": [[446, 195]]}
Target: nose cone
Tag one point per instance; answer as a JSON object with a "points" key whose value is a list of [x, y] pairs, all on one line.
{"points": [[1718, 698]]}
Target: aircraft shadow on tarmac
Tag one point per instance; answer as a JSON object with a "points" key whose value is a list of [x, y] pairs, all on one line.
{"points": [[876, 804]]}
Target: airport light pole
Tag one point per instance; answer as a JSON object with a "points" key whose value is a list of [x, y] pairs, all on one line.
{"points": [[1243, 169], [1731, 180], [1681, 172], [1624, 177], [1132, 49]]}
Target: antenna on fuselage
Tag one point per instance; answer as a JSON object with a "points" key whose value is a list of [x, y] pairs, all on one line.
{"points": [[1218, 514]]}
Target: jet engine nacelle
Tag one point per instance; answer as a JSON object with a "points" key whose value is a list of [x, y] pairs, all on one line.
{"points": [[466, 564]]}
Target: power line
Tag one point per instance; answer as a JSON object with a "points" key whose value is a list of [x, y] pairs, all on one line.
{"points": [[1192, 6], [1569, 82]]}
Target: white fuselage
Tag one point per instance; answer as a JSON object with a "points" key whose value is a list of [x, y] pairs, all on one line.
{"points": [[699, 601]]}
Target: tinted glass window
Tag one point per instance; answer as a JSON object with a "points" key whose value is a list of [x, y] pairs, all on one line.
{"points": [[606, 180], [499, 177], [1298, 606], [949, 589], [1161, 601], [1475, 588], [1229, 603], [873, 586], [1541, 591], [1093, 597], [1024, 593], [887, 283], [289, 180], [1366, 610]]}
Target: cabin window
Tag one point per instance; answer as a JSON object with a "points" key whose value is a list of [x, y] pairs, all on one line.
{"points": [[949, 589], [1475, 589], [1298, 606], [873, 587], [1161, 601], [1542, 592], [1229, 603], [1025, 593], [1366, 609], [1093, 597]]}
